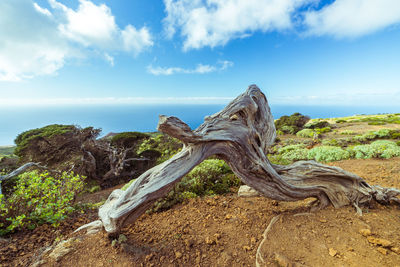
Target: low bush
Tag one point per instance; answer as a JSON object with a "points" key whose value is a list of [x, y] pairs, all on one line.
{"points": [[306, 133], [317, 124], [376, 123], [377, 149], [39, 198], [166, 146], [210, 177], [291, 124], [341, 121], [327, 153], [323, 130], [347, 132]]}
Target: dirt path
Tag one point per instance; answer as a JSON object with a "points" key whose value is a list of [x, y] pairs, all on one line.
{"points": [[227, 230]]}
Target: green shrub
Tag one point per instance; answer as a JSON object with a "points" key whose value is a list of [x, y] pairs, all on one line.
{"points": [[279, 132], [395, 136], [317, 124], [327, 153], [347, 132], [322, 130], [383, 133], [23, 139], [289, 148], [210, 177], [292, 123], [289, 129], [39, 198], [341, 121], [165, 145], [306, 133], [376, 123], [128, 139], [377, 149], [330, 142]]}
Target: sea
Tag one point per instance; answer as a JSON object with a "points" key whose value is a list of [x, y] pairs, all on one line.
{"points": [[144, 118]]}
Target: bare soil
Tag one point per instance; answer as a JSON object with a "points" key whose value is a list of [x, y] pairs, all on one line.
{"points": [[228, 231]]}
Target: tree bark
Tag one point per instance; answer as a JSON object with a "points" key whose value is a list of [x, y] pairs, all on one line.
{"points": [[240, 134]]}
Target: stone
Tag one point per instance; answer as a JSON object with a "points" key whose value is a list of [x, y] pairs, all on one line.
{"points": [[332, 252], [365, 232], [178, 255], [379, 241], [382, 250], [247, 191], [282, 260], [395, 249]]}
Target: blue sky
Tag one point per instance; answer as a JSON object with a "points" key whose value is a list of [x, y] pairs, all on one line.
{"points": [[299, 52]]}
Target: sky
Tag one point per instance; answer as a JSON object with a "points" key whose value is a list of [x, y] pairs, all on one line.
{"points": [[299, 52]]}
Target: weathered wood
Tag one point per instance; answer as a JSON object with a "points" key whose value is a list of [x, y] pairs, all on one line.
{"points": [[240, 134]]}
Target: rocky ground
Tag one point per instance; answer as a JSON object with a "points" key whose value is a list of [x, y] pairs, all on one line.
{"points": [[230, 231]]}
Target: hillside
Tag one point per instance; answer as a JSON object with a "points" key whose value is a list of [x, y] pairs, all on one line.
{"points": [[227, 230]]}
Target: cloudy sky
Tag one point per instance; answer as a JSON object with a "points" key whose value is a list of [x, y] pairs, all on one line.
{"points": [[308, 52]]}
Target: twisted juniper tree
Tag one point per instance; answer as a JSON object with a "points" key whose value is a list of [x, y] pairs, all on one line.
{"points": [[240, 134]]}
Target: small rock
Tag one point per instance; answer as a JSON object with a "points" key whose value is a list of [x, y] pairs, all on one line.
{"points": [[382, 250], [395, 249], [209, 241], [246, 248], [282, 260], [379, 241], [365, 232], [189, 243], [323, 220], [332, 252], [149, 257], [178, 255], [247, 191]]}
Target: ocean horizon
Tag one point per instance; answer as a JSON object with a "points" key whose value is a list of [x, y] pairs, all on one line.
{"points": [[144, 118]]}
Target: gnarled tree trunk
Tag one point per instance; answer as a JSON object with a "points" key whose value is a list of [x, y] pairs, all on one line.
{"points": [[239, 134]]}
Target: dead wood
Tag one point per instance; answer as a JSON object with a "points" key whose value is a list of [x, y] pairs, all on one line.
{"points": [[240, 134]]}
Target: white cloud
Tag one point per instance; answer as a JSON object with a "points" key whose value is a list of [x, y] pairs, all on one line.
{"points": [[215, 22], [200, 69], [38, 41], [353, 18]]}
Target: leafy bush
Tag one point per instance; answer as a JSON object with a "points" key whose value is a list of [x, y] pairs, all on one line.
{"points": [[376, 123], [210, 177], [377, 149], [165, 145], [292, 123], [39, 198], [328, 153], [383, 133], [128, 139], [317, 124], [347, 132], [322, 130], [279, 132], [341, 121], [23, 139], [395, 135], [330, 142], [289, 129], [306, 133]]}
